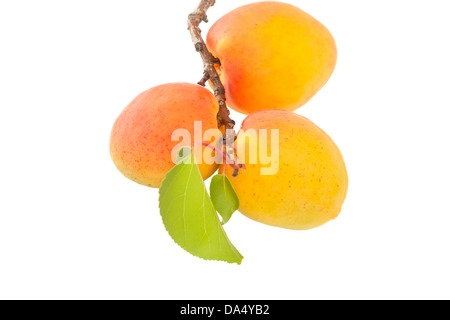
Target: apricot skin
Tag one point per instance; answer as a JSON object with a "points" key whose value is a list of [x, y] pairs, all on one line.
{"points": [[273, 55], [141, 145], [311, 184]]}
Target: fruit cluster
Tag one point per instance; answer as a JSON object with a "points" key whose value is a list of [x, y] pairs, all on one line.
{"points": [[274, 58]]}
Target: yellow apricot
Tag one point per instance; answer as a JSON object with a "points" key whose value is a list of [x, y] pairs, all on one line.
{"points": [[310, 185], [272, 54], [141, 143]]}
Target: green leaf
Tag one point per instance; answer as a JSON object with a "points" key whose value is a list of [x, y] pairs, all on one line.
{"points": [[223, 196], [189, 215]]}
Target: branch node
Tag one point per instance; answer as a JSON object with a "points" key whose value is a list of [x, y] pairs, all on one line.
{"points": [[199, 47]]}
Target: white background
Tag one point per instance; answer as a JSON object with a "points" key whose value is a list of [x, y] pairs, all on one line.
{"points": [[72, 227]]}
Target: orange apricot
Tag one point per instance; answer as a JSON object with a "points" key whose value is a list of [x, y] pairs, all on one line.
{"points": [[295, 175], [141, 144], [273, 55]]}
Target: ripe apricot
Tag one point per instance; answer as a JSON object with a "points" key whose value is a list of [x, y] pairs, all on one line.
{"points": [[272, 54], [141, 143], [309, 183]]}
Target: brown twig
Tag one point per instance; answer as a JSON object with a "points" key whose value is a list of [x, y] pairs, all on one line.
{"points": [[225, 158], [210, 74], [204, 79]]}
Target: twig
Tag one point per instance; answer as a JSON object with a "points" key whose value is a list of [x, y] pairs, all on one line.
{"points": [[226, 159], [204, 79], [210, 73]]}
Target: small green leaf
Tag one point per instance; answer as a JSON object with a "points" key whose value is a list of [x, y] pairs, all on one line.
{"points": [[223, 196], [189, 215]]}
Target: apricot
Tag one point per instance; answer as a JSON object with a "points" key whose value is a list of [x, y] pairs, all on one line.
{"points": [[305, 183], [272, 54], [141, 143]]}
